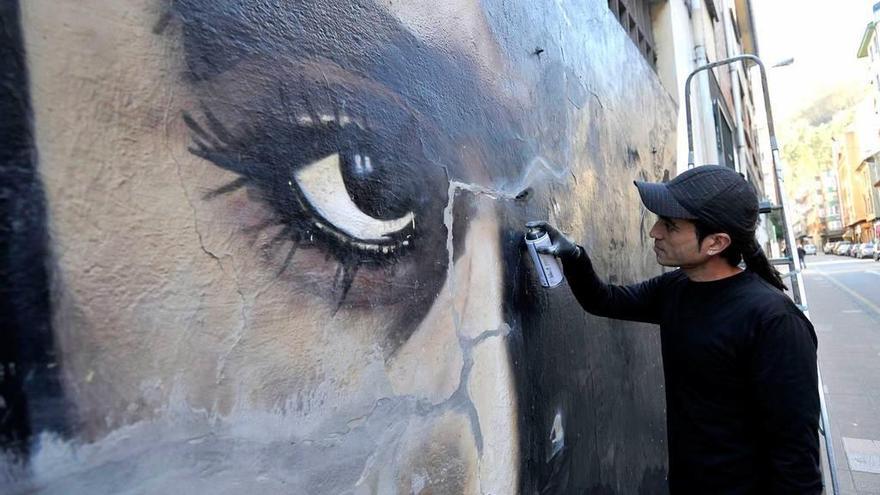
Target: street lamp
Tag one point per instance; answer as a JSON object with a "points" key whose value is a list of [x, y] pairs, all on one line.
{"points": [[783, 63]]}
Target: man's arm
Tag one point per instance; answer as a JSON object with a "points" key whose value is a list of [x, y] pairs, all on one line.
{"points": [[784, 375], [636, 302]]}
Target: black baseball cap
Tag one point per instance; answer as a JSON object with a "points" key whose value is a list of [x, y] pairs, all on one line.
{"points": [[715, 195]]}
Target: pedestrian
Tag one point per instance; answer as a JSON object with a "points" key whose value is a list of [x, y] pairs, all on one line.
{"points": [[802, 256], [739, 358]]}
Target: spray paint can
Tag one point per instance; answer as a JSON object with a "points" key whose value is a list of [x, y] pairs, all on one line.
{"points": [[547, 266]]}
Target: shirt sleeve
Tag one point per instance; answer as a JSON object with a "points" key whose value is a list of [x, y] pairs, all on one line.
{"points": [[636, 302], [784, 374]]}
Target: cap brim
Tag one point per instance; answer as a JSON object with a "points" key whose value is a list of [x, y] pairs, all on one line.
{"points": [[657, 198]]}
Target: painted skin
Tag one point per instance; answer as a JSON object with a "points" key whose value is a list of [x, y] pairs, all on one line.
{"points": [[300, 319]]}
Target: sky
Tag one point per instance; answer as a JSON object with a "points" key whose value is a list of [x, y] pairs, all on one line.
{"points": [[823, 37]]}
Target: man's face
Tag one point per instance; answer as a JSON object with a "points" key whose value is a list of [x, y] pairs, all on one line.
{"points": [[676, 243]]}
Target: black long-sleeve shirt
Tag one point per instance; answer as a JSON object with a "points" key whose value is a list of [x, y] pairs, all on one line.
{"points": [[739, 360]]}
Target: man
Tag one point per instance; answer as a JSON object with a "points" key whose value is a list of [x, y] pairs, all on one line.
{"points": [[802, 256], [739, 357]]}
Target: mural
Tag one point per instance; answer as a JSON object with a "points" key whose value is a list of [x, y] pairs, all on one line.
{"points": [[277, 245]]}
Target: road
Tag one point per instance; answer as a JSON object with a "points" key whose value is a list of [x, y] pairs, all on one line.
{"points": [[844, 302]]}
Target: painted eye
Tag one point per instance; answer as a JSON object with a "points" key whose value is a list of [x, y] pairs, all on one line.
{"points": [[322, 185], [340, 186]]}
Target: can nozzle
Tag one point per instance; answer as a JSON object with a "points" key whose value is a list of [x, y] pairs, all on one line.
{"points": [[534, 233]]}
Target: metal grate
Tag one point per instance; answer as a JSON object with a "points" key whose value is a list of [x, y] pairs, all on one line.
{"points": [[635, 18]]}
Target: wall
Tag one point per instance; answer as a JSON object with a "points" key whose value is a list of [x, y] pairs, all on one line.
{"points": [[277, 246]]}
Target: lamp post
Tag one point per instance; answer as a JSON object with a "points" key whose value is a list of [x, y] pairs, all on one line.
{"points": [[783, 62]]}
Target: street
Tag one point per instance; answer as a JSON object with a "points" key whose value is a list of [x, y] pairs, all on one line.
{"points": [[844, 302]]}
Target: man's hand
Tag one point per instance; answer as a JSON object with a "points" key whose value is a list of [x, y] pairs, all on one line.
{"points": [[561, 247]]}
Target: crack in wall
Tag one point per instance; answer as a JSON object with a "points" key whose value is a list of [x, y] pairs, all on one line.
{"points": [[245, 307]]}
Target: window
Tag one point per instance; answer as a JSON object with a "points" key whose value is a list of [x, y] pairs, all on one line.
{"points": [[723, 137], [635, 18], [736, 31]]}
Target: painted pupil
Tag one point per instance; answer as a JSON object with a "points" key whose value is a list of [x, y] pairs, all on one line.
{"points": [[372, 186]]}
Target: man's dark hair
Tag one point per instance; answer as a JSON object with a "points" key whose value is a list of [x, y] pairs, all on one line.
{"points": [[745, 249]]}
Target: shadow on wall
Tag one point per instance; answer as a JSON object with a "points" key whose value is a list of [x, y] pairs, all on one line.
{"points": [[286, 248]]}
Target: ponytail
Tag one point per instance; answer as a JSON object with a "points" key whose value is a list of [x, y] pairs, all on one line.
{"points": [[757, 262], [745, 249]]}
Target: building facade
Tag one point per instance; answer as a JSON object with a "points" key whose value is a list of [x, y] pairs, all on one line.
{"points": [[855, 156], [725, 120], [869, 49], [277, 246], [816, 209]]}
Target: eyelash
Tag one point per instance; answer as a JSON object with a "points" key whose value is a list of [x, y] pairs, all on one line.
{"points": [[301, 224]]}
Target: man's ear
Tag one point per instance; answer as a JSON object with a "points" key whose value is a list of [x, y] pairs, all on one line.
{"points": [[715, 243]]}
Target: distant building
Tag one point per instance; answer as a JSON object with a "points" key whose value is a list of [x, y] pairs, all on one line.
{"points": [[832, 227], [869, 48], [868, 130], [817, 210], [856, 156]]}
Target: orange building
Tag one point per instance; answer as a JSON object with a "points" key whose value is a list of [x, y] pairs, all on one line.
{"points": [[854, 165]]}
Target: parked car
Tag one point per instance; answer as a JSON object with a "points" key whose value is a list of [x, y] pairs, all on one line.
{"points": [[829, 247], [854, 249], [810, 249], [842, 248], [866, 250], [876, 251]]}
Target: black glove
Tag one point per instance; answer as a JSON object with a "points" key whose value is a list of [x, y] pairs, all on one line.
{"points": [[561, 247]]}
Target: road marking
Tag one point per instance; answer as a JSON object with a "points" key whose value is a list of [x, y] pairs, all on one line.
{"points": [[841, 272], [837, 262], [863, 454], [852, 311], [873, 307]]}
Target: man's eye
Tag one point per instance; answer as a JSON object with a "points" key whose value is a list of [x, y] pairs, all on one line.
{"points": [[322, 186]]}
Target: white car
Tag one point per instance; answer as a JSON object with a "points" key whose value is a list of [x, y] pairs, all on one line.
{"points": [[810, 249], [843, 248], [866, 250]]}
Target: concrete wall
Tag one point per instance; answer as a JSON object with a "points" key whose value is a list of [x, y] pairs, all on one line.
{"points": [[277, 246]]}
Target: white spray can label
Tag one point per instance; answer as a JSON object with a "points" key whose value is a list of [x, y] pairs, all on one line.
{"points": [[547, 266]]}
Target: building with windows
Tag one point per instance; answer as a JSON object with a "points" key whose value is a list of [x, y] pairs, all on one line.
{"points": [[691, 33], [867, 127], [831, 225], [817, 212], [856, 156]]}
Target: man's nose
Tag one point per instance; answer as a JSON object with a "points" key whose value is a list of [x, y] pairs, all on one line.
{"points": [[654, 233]]}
